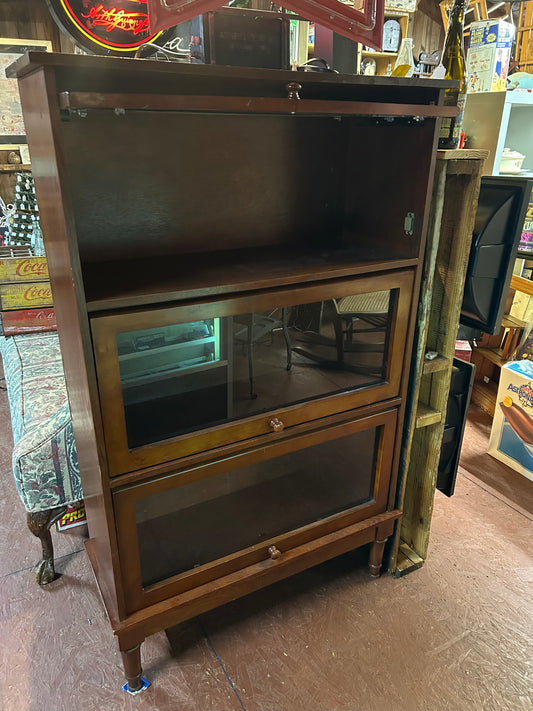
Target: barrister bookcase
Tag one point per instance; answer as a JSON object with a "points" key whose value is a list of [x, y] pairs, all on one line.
{"points": [[235, 257]]}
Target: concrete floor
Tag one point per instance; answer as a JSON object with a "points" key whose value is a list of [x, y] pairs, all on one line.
{"points": [[455, 635]]}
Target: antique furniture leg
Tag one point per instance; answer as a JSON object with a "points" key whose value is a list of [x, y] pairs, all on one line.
{"points": [[131, 659], [376, 557], [39, 523]]}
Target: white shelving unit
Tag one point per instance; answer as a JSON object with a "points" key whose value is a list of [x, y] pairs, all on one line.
{"points": [[383, 59], [498, 120]]}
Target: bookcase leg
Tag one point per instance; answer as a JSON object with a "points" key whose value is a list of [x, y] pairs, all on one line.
{"points": [[376, 557], [131, 659]]}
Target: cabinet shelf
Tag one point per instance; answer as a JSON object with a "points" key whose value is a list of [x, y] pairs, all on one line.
{"points": [[163, 373], [437, 364], [171, 348], [135, 282], [426, 416], [494, 355], [366, 53]]}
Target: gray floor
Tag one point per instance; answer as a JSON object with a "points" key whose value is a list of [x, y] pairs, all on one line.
{"points": [[455, 635]]}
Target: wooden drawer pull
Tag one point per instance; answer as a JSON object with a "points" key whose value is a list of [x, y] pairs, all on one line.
{"points": [[276, 424], [274, 553]]}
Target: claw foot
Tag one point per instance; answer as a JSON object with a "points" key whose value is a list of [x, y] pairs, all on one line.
{"points": [[44, 572]]}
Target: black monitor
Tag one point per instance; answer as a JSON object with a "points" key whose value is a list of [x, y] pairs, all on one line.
{"points": [[499, 237]]}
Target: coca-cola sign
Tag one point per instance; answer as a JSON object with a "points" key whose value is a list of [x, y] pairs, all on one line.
{"points": [[37, 292], [31, 267], [117, 27]]}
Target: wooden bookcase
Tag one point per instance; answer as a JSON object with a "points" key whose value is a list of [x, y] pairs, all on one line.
{"points": [[229, 227]]}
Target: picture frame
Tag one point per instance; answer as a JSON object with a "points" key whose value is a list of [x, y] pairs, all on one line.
{"points": [[11, 122]]}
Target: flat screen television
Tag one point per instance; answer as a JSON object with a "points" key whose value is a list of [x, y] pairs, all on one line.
{"points": [[499, 237]]}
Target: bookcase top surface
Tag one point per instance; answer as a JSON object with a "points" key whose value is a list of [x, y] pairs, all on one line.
{"points": [[85, 73]]}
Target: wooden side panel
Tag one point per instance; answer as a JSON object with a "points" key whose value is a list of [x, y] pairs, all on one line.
{"points": [[456, 194], [42, 124]]}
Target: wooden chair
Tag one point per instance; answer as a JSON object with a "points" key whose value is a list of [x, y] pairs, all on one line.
{"points": [[257, 326]]}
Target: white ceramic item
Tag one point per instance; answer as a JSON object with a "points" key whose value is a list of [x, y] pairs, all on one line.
{"points": [[511, 161]]}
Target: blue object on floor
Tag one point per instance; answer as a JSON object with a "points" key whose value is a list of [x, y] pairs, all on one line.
{"points": [[145, 685]]}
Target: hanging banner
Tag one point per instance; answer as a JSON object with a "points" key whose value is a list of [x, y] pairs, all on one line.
{"points": [[117, 27], [359, 20]]}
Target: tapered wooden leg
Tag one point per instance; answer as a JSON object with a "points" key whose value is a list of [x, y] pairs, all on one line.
{"points": [[376, 557], [39, 523], [131, 659]]}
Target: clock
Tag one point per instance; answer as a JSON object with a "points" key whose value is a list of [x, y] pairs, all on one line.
{"points": [[391, 36]]}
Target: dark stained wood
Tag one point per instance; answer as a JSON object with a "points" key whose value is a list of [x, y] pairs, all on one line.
{"points": [[293, 105], [121, 458], [57, 222], [218, 453], [126, 499], [376, 557], [132, 283], [233, 199], [171, 611], [131, 659], [126, 75]]}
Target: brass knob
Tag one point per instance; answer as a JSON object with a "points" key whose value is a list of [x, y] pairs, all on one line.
{"points": [[292, 90], [276, 424], [274, 553]]}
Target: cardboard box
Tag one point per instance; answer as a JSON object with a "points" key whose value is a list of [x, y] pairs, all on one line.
{"points": [[22, 295], [489, 53], [75, 515], [463, 350], [511, 437], [23, 269]]}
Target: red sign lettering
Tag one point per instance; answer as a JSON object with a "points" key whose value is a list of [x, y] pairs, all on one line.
{"points": [[114, 18], [105, 26], [37, 293], [28, 266]]}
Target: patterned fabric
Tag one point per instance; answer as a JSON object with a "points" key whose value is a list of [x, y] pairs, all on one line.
{"points": [[45, 461]]}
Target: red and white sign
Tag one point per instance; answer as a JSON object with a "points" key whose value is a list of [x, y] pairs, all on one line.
{"points": [[28, 321], [364, 24]]}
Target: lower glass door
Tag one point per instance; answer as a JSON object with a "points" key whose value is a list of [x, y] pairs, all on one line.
{"points": [[230, 512]]}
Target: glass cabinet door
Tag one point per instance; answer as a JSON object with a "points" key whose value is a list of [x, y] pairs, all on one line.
{"points": [[190, 527], [170, 376]]}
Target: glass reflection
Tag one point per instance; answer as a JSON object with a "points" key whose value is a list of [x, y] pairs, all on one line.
{"points": [[194, 524], [187, 376]]}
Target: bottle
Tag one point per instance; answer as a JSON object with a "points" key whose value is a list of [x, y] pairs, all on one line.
{"points": [[404, 65], [453, 60]]}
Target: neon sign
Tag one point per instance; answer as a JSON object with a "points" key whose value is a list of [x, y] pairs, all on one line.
{"points": [[117, 27]]}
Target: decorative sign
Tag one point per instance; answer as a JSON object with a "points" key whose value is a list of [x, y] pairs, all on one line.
{"points": [[359, 20], [117, 27]]}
